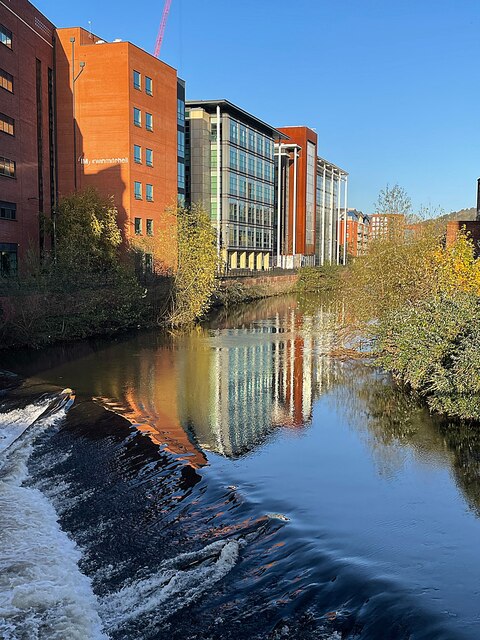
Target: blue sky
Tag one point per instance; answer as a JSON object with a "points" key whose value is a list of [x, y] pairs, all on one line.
{"points": [[392, 87]]}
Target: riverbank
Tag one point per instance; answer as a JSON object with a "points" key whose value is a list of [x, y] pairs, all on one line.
{"points": [[42, 314]]}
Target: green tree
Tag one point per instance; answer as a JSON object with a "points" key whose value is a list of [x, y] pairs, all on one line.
{"points": [[87, 233], [197, 264]]}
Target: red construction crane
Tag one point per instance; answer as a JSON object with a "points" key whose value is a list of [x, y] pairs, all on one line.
{"points": [[161, 31]]}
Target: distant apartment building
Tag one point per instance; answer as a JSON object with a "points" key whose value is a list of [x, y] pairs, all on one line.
{"points": [[386, 225], [27, 135], [237, 190], [120, 129], [331, 200], [358, 231], [295, 190]]}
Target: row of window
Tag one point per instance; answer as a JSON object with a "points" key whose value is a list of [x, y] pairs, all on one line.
{"points": [[181, 175], [180, 112], [246, 237], [251, 139], [243, 161], [8, 210], [137, 119], [239, 211], [7, 124], [6, 80], [138, 193], [138, 225], [181, 144], [251, 189], [7, 167], [137, 155], [5, 36], [137, 83]]}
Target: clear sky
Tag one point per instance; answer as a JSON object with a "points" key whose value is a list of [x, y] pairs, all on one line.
{"points": [[392, 87]]}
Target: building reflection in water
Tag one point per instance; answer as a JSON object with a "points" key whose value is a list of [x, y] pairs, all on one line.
{"points": [[238, 384]]}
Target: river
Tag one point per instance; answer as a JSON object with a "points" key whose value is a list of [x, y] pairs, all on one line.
{"points": [[235, 481]]}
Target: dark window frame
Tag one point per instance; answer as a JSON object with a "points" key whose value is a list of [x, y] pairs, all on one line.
{"points": [[148, 91], [8, 206], [8, 121], [137, 225], [137, 86], [4, 75], [4, 30], [3, 161]]}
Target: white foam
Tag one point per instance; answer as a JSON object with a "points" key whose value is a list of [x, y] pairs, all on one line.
{"points": [[178, 582], [14, 423], [43, 594]]}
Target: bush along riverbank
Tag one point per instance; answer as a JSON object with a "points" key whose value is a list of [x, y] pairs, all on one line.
{"points": [[418, 301], [92, 283]]}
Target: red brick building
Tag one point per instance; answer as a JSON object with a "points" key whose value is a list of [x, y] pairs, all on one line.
{"points": [[358, 232], [300, 214], [27, 149], [123, 102]]}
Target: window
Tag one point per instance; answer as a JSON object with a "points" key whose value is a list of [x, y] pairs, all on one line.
{"points": [[243, 186], [6, 81], [233, 131], [8, 211], [243, 161], [137, 190], [180, 112], [5, 36], [251, 165], [213, 133], [148, 122], [149, 227], [137, 80], [148, 86], [7, 167], [259, 169], [149, 157], [137, 153], [138, 226], [232, 206], [7, 124], [149, 192], [241, 211], [8, 259], [251, 140], [137, 117], [243, 136], [233, 158], [233, 184], [251, 214], [259, 143], [181, 144], [181, 175]]}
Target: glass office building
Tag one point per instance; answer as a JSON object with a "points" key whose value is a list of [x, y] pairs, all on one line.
{"points": [[238, 192]]}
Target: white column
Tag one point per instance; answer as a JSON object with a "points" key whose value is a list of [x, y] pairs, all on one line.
{"points": [[322, 249], [339, 195], [330, 247], [294, 244], [219, 200], [346, 207], [279, 198]]}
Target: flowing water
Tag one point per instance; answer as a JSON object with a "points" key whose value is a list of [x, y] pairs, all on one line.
{"points": [[233, 482]]}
